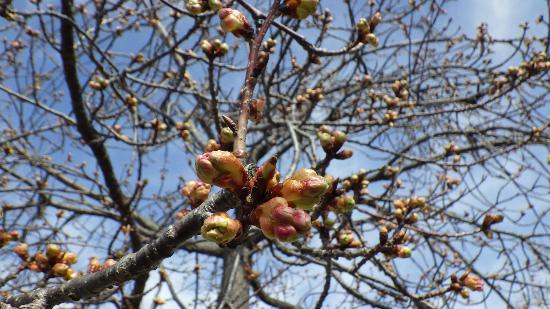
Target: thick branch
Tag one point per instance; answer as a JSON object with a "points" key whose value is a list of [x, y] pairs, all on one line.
{"points": [[135, 264]]}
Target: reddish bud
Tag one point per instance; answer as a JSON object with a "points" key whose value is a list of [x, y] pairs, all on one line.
{"points": [[280, 221], [221, 168]]}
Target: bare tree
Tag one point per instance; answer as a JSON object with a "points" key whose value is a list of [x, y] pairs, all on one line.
{"points": [[331, 153]]}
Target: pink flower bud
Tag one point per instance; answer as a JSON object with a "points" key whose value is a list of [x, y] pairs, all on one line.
{"points": [[221, 168], [220, 228], [235, 22], [196, 191], [280, 221], [304, 189]]}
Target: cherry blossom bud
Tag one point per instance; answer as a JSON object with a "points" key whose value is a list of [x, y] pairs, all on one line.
{"points": [[345, 237], [70, 258], [344, 154], [212, 145], [464, 293], [194, 7], [221, 168], [280, 221], [300, 9], [70, 274], [372, 39], [60, 269], [473, 282], [22, 250], [196, 191], [220, 228], [304, 189], [235, 22], [375, 20], [343, 204], [215, 4], [52, 250], [227, 136], [404, 252]]}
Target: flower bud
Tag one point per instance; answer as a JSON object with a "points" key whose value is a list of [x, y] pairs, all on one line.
{"points": [[235, 22], [212, 145], [70, 274], [345, 237], [375, 20], [371, 39], [60, 269], [404, 252], [343, 204], [304, 189], [344, 154], [52, 250], [383, 234], [227, 136], [22, 250], [215, 5], [196, 191], [464, 293], [194, 7], [280, 221], [473, 282], [221, 168], [220, 228], [70, 258], [41, 260], [300, 9]]}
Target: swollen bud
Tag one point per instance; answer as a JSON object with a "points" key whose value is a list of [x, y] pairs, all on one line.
{"points": [[221, 168], [280, 221], [22, 250], [196, 191], [345, 238], [60, 269], [473, 282], [194, 7], [304, 189], [227, 136], [235, 22], [220, 228]]}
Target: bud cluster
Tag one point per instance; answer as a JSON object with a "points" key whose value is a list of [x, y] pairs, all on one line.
{"points": [[465, 282], [196, 191], [346, 239], [357, 182], [299, 9], [404, 207], [366, 29], [312, 95], [214, 48], [98, 83], [131, 102], [54, 262], [94, 265], [278, 220], [332, 142], [197, 7]]}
